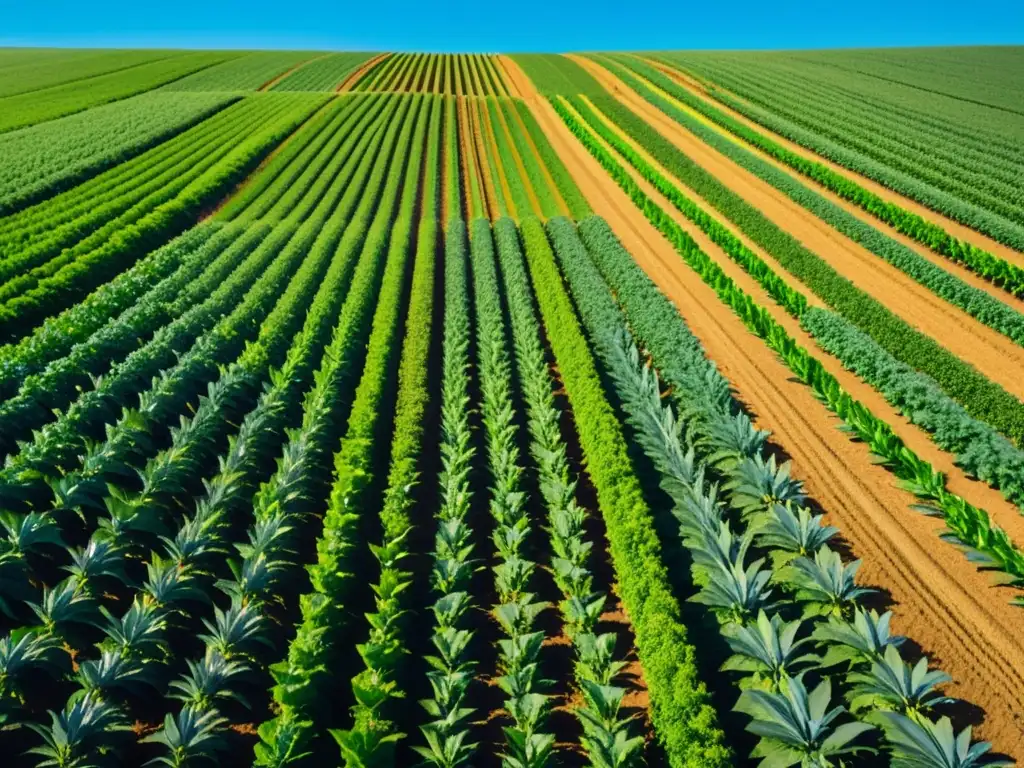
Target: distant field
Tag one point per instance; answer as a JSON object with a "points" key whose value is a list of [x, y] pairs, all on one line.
{"points": [[607, 409]]}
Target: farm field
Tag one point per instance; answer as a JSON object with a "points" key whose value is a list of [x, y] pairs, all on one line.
{"points": [[604, 409]]}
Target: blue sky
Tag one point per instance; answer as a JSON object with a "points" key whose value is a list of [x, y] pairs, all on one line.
{"points": [[520, 25]]}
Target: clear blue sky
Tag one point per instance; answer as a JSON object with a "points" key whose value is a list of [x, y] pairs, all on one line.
{"points": [[520, 25]]}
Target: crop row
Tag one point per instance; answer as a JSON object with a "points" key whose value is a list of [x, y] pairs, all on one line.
{"points": [[993, 460], [328, 260], [42, 160], [325, 73], [967, 524], [310, 668], [825, 128], [761, 560], [680, 709], [31, 69], [37, 293], [68, 98], [999, 271], [249, 72], [982, 398], [608, 736], [458, 74]]}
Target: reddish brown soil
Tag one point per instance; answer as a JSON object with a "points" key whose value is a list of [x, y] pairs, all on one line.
{"points": [[996, 356], [954, 228], [953, 611]]}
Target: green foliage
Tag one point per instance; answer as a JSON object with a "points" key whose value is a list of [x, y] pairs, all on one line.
{"points": [[680, 709], [999, 271], [948, 154]]}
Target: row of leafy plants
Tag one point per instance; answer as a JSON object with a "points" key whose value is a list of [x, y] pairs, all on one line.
{"points": [[445, 734], [139, 517], [102, 255], [529, 742], [57, 335], [139, 653], [44, 394], [321, 133], [52, 157], [310, 669], [967, 524], [66, 378], [564, 182], [609, 737], [288, 499], [978, 260], [61, 439], [547, 196], [378, 687], [787, 605], [982, 398], [972, 525], [827, 135], [507, 156], [684, 720]]}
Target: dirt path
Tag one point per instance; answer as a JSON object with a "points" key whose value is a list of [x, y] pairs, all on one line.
{"points": [[996, 356], [947, 264], [506, 73], [348, 83], [940, 599], [954, 228]]}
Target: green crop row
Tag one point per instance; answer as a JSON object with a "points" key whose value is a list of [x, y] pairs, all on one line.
{"points": [[967, 524], [451, 669], [734, 503], [680, 707], [546, 196], [43, 160], [607, 736], [68, 98], [71, 275], [999, 271], [566, 184], [826, 124], [323, 74], [982, 398], [506, 156], [377, 688], [367, 332]]}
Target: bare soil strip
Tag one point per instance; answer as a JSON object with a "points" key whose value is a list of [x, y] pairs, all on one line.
{"points": [[954, 228], [504, 70], [965, 625], [996, 356], [922, 250], [348, 83]]}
